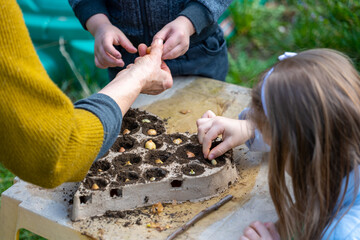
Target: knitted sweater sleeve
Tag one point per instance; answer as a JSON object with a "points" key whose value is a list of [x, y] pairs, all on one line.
{"points": [[44, 139], [84, 9], [203, 13]]}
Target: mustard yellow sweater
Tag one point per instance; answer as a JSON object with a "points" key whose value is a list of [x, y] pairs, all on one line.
{"points": [[44, 139]]}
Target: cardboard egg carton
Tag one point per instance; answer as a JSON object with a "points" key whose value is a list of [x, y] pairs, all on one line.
{"points": [[131, 176]]}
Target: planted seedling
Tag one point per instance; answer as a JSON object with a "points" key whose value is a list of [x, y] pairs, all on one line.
{"points": [[177, 141], [151, 132], [190, 154], [158, 161], [126, 131], [94, 187], [150, 145]]}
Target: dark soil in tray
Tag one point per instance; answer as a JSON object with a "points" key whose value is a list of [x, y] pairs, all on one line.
{"points": [[155, 174], [128, 154]]}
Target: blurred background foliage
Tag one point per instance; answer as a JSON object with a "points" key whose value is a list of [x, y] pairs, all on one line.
{"points": [[263, 30]]}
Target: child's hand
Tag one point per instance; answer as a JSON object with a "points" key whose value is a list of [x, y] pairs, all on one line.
{"points": [[176, 36], [106, 35], [259, 230], [234, 132]]}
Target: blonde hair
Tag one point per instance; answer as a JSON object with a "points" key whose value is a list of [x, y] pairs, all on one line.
{"points": [[313, 122]]}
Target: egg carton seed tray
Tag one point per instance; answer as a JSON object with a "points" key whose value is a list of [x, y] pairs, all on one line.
{"points": [[131, 176]]}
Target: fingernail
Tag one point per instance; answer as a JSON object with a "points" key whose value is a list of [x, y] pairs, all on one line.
{"points": [[159, 41], [211, 156]]}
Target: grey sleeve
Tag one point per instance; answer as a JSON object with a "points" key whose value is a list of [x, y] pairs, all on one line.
{"points": [[84, 9], [109, 113], [203, 13], [257, 143]]}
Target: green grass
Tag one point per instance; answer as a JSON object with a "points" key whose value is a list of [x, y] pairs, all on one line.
{"points": [[6, 178], [265, 32]]}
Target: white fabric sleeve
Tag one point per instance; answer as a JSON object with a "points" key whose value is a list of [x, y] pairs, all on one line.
{"points": [[255, 144]]}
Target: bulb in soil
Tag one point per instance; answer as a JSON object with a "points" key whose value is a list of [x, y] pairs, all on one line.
{"points": [[177, 141], [128, 163], [94, 187], [151, 132], [192, 172], [122, 149], [190, 154], [150, 145], [213, 162], [145, 120], [158, 161], [126, 131], [152, 179]]}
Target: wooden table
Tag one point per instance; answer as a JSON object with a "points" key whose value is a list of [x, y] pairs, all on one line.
{"points": [[46, 212]]}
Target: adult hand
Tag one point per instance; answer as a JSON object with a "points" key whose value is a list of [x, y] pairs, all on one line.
{"points": [[148, 65], [258, 230], [149, 74], [176, 36], [106, 36], [234, 132]]}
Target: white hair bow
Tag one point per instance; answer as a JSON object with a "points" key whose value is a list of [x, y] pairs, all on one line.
{"points": [[281, 57]]}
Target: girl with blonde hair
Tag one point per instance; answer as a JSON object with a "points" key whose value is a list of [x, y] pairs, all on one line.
{"points": [[307, 110]]}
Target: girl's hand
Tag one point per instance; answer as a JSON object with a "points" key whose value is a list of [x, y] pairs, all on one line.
{"points": [[176, 36], [258, 230], [106, 36], [234, 133]]}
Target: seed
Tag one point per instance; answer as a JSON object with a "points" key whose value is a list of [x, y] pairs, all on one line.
{"points": [[192, 172], [158, 161], [127, 180], [94, 187], [128, 163], [100, 170], [126, 131], [148, 50], [157, 208], [122, 149], [150, 145], [213, 162], [177, 141], [185, 111], [152, 179], [145, 120], [151, 132], [190, 154]]}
